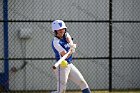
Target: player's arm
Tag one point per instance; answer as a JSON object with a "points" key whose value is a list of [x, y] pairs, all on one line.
{"points": [[68, 38], [70, 41], [64, 52], [61, 50]]}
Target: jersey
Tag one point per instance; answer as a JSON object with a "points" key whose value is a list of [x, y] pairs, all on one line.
{"points": [[59, 45]]}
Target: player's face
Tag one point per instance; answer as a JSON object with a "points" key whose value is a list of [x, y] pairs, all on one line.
{"points": [[60, 33]]}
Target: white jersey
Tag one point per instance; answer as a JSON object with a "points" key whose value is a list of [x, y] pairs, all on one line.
{"points": [[59, 45]]}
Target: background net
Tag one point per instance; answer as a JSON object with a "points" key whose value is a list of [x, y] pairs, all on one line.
{"points": [[88, 21]]}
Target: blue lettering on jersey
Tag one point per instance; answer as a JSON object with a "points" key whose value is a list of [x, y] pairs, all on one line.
{"points": [[66, 45]]}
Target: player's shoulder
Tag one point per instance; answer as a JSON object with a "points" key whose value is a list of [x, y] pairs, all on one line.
{"points": [[56, 40]]}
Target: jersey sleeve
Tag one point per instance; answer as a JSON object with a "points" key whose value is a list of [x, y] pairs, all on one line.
{"points": [[58, 47]]}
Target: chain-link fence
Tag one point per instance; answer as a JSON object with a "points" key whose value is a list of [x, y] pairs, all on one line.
{"points": [[106, 32]]}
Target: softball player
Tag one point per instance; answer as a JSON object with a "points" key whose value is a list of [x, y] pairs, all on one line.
{"points": [[61, 44]]}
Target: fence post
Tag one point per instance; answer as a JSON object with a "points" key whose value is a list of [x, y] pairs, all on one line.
{"points": [[110, 45], [5, 26]]}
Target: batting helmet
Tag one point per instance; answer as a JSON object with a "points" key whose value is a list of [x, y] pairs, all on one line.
{"points": [[58, 24]]}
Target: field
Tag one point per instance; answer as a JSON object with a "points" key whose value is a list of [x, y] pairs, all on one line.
{"points": [[134, 91], [109, 92]]}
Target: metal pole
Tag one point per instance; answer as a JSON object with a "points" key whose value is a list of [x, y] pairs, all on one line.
{"points": [[6, 63], [110, 45]]}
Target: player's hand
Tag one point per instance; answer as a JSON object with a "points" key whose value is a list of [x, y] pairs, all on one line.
{"points": [[73, 46], [72, 50]]}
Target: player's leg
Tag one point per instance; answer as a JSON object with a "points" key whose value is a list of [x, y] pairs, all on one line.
{"points": [[77, 78], [62, 77]]}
